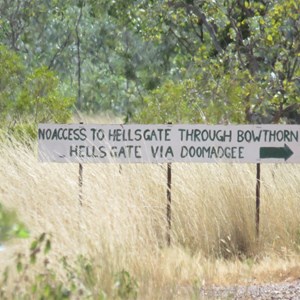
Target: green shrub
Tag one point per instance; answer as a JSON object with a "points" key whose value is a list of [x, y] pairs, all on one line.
{"points": [[10, 226], [28, 98], [126, 286], [79, 279]]}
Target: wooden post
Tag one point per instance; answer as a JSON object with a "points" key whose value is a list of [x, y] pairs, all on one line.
{"points": [[169, 199], [257, 210], [80, 180]]}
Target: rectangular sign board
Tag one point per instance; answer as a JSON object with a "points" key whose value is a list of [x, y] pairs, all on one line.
{"points": [[88, 143]]}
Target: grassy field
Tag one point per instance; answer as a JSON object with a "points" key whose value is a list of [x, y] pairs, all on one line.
{"points": [[115, 242]]}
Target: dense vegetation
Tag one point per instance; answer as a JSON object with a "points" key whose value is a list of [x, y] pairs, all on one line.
{"points": [[151, 61], [148, 61]]}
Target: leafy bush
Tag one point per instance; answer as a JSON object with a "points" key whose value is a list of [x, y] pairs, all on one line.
{"points": [[125, 285], [10, 226], [37, 279], [11, 78], [28, 98], [40, 98]]}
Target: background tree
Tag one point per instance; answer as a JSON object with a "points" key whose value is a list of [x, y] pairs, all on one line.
{"points": [[243, 61], [28, 98], [218, 61]]}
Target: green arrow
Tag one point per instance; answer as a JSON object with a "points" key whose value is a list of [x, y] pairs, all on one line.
{"points": [[276, 152]]}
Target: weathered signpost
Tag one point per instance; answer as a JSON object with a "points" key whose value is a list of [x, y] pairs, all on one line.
{"points": [[88, 143], [80, 179]]}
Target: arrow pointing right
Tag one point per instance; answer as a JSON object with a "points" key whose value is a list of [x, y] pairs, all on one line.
{"points": [[276, 152]]}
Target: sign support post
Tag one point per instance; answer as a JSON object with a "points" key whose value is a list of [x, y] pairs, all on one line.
{"points": [[80, 183], [257, 208], [169, 199], [80, 180]]}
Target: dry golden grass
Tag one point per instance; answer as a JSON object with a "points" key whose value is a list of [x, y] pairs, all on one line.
{"points": [[122, 222]]}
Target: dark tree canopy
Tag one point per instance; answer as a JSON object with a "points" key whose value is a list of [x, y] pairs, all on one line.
{"points": [[155, 61]]}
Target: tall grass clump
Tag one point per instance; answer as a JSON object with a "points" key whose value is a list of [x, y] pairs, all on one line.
{"points": [[115, 243]]}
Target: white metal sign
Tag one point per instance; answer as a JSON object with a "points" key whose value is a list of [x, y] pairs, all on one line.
{"points": [[168, 143]]}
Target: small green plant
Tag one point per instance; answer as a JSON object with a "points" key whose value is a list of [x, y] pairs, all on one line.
{"points": [[45, 284], [36, 279], [10, 226], [126, 286], [81, 278]]}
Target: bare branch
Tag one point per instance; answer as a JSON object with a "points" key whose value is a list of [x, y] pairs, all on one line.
{"points": [[59, 51], [182, 41], [291, 72], [200, 15]]}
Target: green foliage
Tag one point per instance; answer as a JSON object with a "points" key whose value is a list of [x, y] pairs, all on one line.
{"points": [[125, 285], [10, 226], [29, 98], [24, 130], [173, 102], [40, 98], [78, 280], [241, 59], [45, 284], [203, 99], [244, 60], [11, 75]]}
